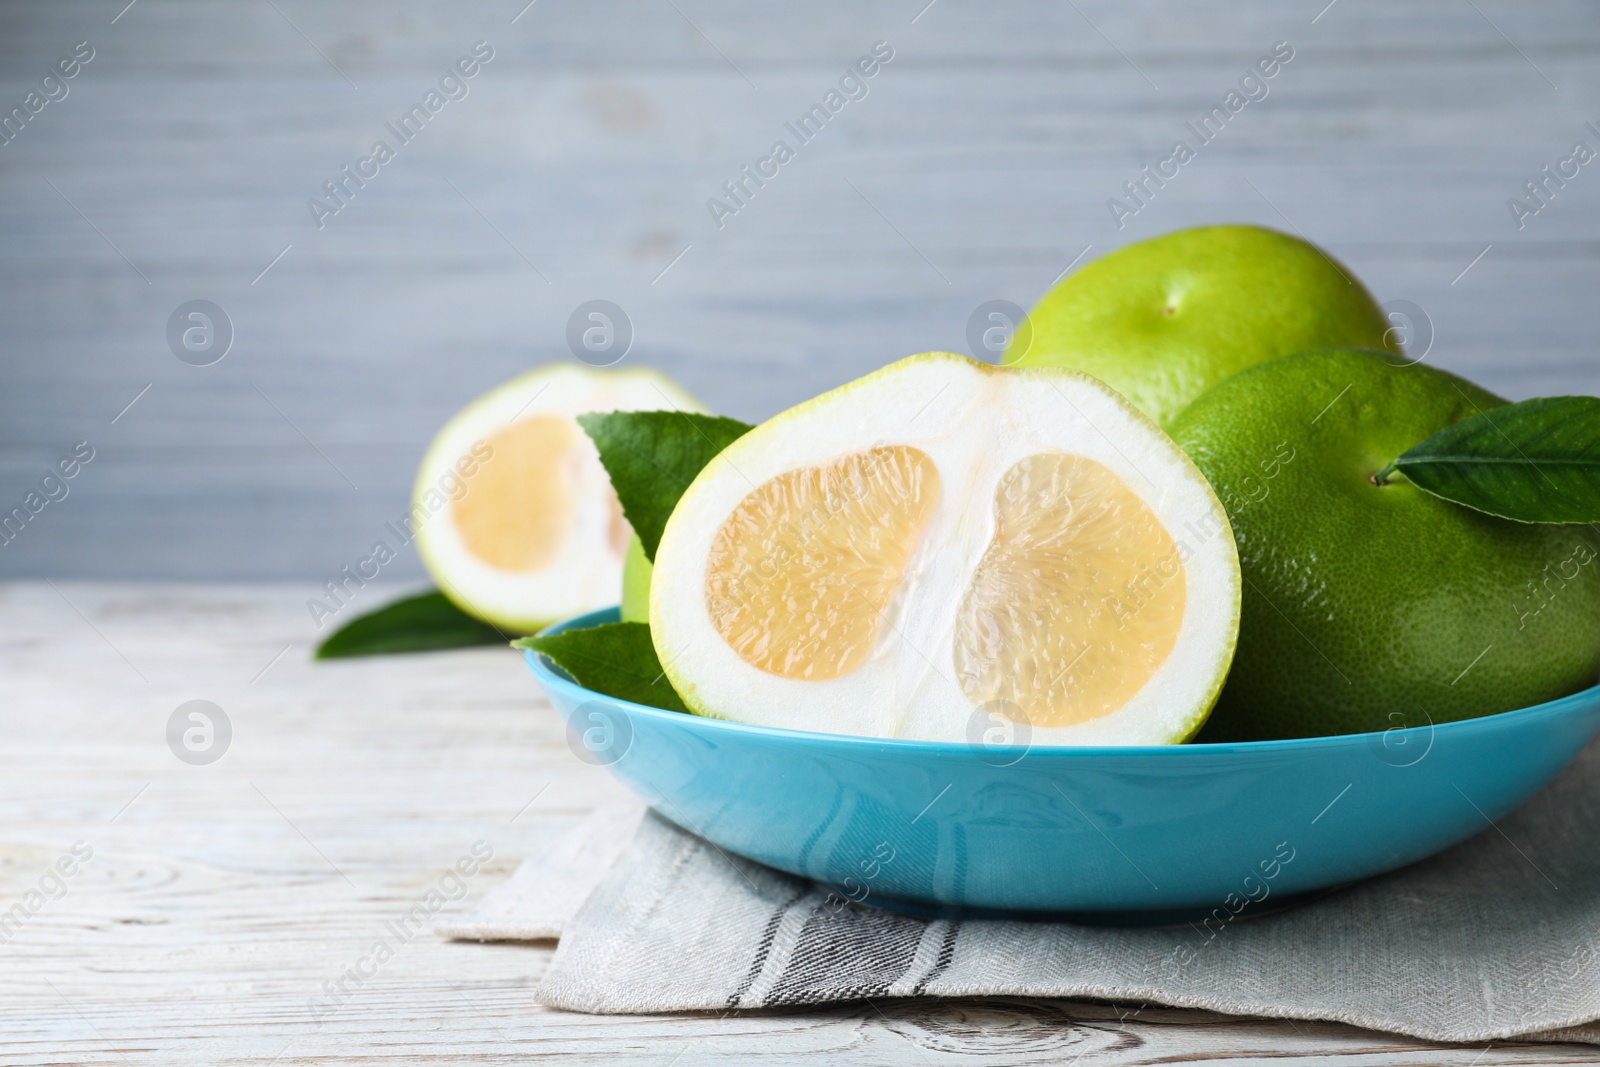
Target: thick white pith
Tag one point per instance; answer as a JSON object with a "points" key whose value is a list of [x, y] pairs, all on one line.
{"points": [[975, 423]]}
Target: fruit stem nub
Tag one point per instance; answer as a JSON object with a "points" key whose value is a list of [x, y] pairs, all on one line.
{"points": [[1381, 478]]}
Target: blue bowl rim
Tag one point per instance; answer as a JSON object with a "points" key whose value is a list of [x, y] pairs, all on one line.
{"points": [[547, 674]]}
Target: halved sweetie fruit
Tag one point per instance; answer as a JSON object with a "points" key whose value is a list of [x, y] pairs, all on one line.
{"points": [[514, 515], [946, 543]]}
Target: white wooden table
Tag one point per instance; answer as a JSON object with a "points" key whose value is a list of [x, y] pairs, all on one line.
{"points": [[219, 898]]}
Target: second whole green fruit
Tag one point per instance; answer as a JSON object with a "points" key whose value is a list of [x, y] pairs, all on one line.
{"points": [[1162, 320], [1371, 606]]}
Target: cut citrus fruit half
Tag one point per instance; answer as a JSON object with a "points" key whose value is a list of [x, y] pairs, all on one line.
{"points": [[944, 546], [514, 516]]}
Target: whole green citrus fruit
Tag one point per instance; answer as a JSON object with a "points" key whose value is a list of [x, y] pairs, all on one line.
{"points": [[1163, 320], [1371, 606]]}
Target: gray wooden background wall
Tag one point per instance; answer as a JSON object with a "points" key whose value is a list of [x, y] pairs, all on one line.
{"points": [[578, 167]]}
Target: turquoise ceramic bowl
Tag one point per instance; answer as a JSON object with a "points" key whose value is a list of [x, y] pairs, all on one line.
{"points": [[1139, 832]]}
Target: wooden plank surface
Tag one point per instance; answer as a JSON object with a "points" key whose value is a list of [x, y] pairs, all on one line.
{"points": [[579, 166], [219, 898]]}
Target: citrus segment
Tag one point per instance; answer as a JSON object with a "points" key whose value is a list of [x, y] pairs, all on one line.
{"points": [[517, 510], [800, 574], [1078, 599]]}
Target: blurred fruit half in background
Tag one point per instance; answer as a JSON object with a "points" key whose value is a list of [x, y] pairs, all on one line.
{"points": [[514, 516]]}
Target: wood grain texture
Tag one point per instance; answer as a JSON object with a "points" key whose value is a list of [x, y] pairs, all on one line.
{"points": [[579, 167], [220, 898]]}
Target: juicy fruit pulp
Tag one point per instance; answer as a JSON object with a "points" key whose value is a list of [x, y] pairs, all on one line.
{"points": [[514, 516], [1071, 541], [1069, 537], [523, 506], [848, 563], [1008, 552], [1162, 320], [1369, 607]]}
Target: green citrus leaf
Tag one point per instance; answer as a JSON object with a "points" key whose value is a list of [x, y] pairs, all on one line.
{"points": [[416, 624], [614, 658], [652, 456], [1537, 461]]}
